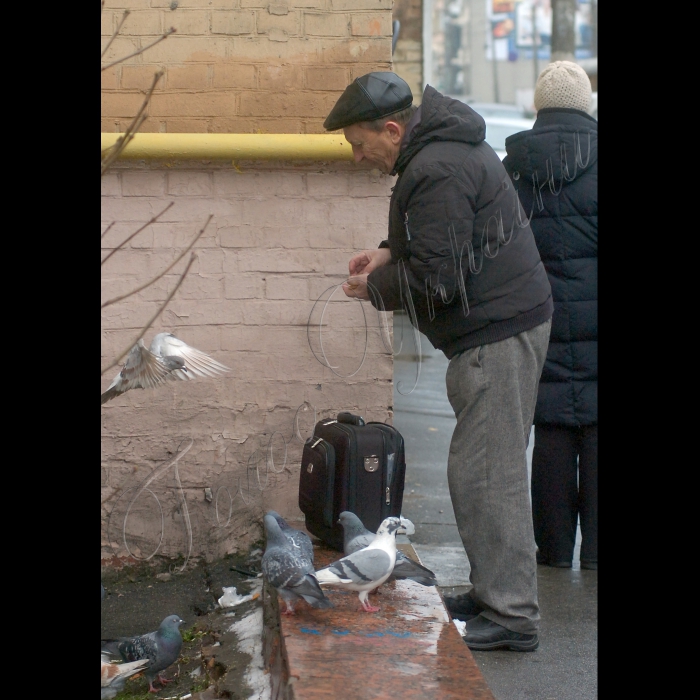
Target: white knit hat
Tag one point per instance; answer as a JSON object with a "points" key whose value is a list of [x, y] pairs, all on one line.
{"points": [[563, 84]]}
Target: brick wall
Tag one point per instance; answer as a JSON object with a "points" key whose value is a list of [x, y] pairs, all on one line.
{"points": [[280, 236], [241, 66]]}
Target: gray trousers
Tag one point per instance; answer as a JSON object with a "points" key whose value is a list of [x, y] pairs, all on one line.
{"points": [[493, 390]]}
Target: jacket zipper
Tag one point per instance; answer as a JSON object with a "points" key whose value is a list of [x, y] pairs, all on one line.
{"points": [[405, 222]]}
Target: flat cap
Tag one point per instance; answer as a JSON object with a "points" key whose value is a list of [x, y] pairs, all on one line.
{"points": [[369, 97]]}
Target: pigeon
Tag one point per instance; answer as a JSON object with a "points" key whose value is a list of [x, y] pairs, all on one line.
{"points": [[298, 538], [366, 568], [289, 570], [356, 537], [161, 648], [115, 675], [168, 357]]}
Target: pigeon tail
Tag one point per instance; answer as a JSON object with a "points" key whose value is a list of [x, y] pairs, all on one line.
{"points": [[406, 568]]}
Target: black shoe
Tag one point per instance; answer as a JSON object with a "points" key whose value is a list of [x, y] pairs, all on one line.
{"points": [[484, 635], [560, 564], [589, 564], [462, 607]]}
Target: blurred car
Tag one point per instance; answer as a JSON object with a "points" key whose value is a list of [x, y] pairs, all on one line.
{"points": [[502, 120], [498, 129], [494, 109]]}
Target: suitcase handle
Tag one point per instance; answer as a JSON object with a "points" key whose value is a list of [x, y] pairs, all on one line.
{"points": [[347, 417]]}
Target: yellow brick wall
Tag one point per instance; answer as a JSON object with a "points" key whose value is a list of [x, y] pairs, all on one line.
{"points": [[240, 66]]}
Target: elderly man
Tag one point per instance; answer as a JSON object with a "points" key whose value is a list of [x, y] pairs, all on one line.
{"points": [[461, 259]]}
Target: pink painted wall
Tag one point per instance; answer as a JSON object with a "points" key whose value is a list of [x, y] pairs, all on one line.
{"points": [[280, 236]]}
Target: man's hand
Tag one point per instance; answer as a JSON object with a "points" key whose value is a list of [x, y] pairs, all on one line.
{"points": [[368, 260], [356, 287]]}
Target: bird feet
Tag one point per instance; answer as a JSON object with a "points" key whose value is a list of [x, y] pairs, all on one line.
{"points": [[164, 681], [369, 608], [288, 610], [151, 689]]}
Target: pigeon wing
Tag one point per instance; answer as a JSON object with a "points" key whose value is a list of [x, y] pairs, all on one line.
{"points": [[142, 370], [197, 363], [362, 567], [141, 647], [311, 592], [284, 569], [112, 674], [302, 541]]}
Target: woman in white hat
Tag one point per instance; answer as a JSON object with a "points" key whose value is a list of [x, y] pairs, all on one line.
{"points": [[554, 167]]}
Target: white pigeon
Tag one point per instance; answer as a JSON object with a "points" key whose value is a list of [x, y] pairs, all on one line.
{"points": [[167, 357], [367, 568], [114, 675]]}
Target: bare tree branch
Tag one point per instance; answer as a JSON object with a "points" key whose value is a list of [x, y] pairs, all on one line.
{"points": [[126, 240], [116, 31], [115, 150], [153, 318], [140, 51], [104, 233], [160, 274]]}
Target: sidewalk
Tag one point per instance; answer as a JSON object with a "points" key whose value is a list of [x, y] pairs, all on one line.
{"points": [[565, 665]]}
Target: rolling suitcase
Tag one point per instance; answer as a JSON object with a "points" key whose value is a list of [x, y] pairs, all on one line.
{"points": [[350, 465]]}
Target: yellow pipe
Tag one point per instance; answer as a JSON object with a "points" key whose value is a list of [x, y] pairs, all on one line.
{"points": [[234, 146]]}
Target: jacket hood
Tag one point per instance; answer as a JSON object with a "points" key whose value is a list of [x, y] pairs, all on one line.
{"points": [[442, 119], [554, 128]]}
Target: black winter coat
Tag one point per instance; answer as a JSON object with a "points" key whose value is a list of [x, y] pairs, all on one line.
{"points": [[457, 244], [563, 145]]}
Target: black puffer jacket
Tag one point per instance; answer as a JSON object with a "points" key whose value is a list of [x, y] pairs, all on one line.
{"points": [[565, 225], [474, 273]]}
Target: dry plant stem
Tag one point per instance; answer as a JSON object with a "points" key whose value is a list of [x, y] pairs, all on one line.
{"points": [[114, 151], [135, 233], [140, 51], [160, 274], [104, 233], [116, 31], [152, 320]]}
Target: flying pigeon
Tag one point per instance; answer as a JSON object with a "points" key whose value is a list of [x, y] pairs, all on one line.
{"points": [[289, 570], [356, 537], [161, 648], [298, 538], [168, 357], [115, 675], [366, 568]]}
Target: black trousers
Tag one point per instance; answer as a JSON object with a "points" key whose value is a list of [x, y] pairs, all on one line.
{"points": [[564, 489]]}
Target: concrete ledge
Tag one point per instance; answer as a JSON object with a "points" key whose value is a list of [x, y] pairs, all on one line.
{"points": [[409, 649]]}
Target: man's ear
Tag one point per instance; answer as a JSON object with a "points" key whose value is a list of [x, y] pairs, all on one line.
{"points": [[396, 131]]}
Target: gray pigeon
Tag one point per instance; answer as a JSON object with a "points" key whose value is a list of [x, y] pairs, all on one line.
{"points": [[161, 648], [289, 570], [365, 569], [298, 538], [167, 358], [356, 537], [114, 675]]}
